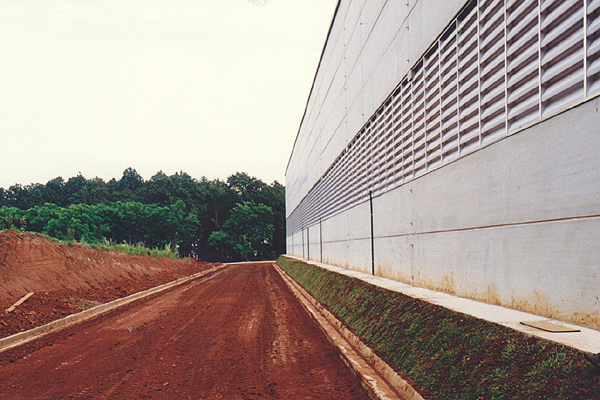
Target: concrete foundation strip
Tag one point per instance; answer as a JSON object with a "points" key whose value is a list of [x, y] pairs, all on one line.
{"points": [[73, 319], [378, 378]]}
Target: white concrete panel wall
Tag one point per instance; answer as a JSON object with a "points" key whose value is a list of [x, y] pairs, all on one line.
{"points": [[548, 268], [314, 243], [550, 171], [343, 238], [516, 223], [295, 244], [368, 51]]}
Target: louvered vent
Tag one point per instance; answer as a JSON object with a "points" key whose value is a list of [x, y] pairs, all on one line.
{"points": [[492, 70], [500, 66], [593, 47], [397, 132], [407, 131], [418, 121], [388, 151], [468, 81], [523, 63], [562, 53], [449, 94], [433, 146]]}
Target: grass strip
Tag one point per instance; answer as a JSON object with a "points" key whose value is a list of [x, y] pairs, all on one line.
{"points": [[167, 251], [444, 354], [137, 249]]}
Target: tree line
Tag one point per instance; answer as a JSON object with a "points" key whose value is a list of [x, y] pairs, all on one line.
{"points": [[241, 218]]}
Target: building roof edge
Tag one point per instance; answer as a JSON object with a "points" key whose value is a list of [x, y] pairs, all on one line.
{"points": [[337, 7]]}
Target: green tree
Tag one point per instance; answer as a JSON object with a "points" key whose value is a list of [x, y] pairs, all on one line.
{"points": [[76, 190], [249, 231], [16, 196], [97, 191], [187, 236], [184, 188], [130, 187], [158, 189], [219, 241], [36, 194], [190, 215], [12, 218], [276, 200], [55, 192], [248, 188]]}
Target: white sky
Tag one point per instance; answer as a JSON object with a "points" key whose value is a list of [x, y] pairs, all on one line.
{"points": [[210, 87]]}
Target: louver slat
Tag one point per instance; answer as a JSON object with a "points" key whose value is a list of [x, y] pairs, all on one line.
{"points": [[492, 71], [397, 127], [418, 112], [522, 64], [388, 146], [562, 54], [449, 94], [407, 138], [593, 47], [468, 82], [379, 156], [433, 146]]}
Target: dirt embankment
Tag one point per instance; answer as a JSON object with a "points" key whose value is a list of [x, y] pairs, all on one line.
{"points": [[69, 278]]}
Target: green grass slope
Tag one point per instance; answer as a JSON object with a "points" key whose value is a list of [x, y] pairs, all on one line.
{"points": [[447, 355]]}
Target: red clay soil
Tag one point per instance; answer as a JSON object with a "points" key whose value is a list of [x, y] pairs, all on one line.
{"points": [[237, 333], [66, 279]]}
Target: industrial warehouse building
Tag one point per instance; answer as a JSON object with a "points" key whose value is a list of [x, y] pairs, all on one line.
{"points": [[456, 146]]}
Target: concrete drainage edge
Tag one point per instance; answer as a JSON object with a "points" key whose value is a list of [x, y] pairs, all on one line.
{"points": [[20, 338], [377, 390]]}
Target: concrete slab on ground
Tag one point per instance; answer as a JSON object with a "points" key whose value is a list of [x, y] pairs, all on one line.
{"points": [[585, 340]]}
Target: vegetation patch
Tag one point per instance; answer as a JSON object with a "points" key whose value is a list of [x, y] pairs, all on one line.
{"points": [[445, 354], [137, 249], [242, 218], [82, 304]]}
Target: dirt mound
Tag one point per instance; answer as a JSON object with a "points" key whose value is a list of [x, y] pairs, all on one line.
{"points": [[68, 278]]}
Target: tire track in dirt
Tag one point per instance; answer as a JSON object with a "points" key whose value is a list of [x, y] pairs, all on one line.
{"points": [[237, 334]]}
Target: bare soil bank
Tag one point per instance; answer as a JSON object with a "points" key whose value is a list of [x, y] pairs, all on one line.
{"points": [[68, 278]]}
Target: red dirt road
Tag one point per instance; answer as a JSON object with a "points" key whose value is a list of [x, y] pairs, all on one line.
{"points": [[236, 334]]}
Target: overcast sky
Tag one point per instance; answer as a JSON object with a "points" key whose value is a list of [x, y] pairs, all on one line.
{"points": [[209, 87]]}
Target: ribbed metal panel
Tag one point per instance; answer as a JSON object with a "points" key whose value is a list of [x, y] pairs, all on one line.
{"points": [[376, 148]]}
